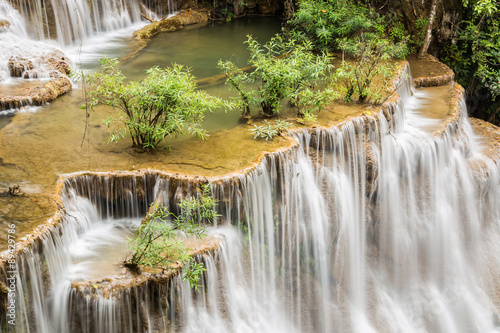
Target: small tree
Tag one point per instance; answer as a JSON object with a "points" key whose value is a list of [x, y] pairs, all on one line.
{"points": [[371, 52], [165, 103], [283, 70], [157, 243]]}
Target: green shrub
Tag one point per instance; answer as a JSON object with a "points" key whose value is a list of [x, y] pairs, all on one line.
{"points": [[165, 103], [268, 131], [157, 243], [475, 57], [361, 34], [326, 22], [283, 70], [355, 80]]}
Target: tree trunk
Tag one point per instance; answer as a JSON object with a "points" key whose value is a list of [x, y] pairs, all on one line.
{"points": [[428, 34], [410, 15]]}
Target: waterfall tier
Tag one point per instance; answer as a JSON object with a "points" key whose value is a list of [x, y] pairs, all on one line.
{"points": [[376, 225]]}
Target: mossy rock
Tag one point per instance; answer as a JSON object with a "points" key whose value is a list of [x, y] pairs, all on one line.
{"points": [[172, 24], [184, 17]]}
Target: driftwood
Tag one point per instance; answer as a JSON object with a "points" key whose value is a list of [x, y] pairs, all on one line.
{"points": [[152, 20], [148, 18]]}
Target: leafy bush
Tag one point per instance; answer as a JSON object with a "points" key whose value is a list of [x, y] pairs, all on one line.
{"points": [[165, 103], [269, 131], [157, 243], [420, 26], [283, 70], [361, 33], [325, 22], [355, 80], [475, 58]]}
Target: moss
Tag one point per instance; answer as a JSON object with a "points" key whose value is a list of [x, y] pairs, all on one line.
{"points": [[184, 17], [153, 29]]}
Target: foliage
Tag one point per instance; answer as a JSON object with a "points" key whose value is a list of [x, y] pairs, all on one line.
{"points": [[398, 33], [236, 80], [283, 70], [310, 101], [355, 80], [269, 131], [369, 38], [475, 56], [157, 242], [329, 23], [165, 103], [420, 26], [326, 22]]}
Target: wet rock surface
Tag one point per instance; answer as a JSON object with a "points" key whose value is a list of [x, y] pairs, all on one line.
{"points": [[126, 279], [18, 66], [430, 72], [38, 96], [175, 23], [54, 65]]}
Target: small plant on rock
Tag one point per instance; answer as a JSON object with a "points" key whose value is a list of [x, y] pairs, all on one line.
{"points": [[157, 243], [268, 131]]}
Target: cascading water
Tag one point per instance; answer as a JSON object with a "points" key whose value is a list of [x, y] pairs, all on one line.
{"points": [[14, 40], [376, 226], [70, 21], [32, 32]]}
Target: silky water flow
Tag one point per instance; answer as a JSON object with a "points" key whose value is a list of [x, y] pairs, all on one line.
{"points": [[372, 226]]}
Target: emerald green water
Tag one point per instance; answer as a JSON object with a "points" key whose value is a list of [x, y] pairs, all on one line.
{"points": [[201, 48]]}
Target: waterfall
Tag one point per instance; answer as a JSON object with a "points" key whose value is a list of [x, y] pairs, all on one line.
{"points": [[372, 227], [33, 31], [71, 21], [378, 225]]}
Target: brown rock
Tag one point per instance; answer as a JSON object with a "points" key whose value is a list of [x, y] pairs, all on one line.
{"points": [[189, 17], [18, 65], [184, 17], [3, 289], [59, 63], [29, 68], [4, 25], [38, 96]]}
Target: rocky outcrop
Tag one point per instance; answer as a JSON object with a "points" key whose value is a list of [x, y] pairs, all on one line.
{"points": [[183, 18], [18, 66], [52, 63], [106, 287], [38, 96], [439, 75]]}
